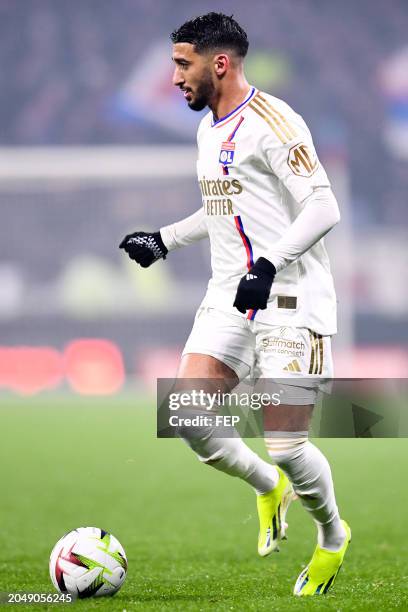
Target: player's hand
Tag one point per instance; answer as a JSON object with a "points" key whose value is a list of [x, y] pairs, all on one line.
{"points": [[254, 288], [144, 248]]}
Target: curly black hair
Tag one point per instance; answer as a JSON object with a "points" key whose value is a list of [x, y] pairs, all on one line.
{"points": [[213, 31]]}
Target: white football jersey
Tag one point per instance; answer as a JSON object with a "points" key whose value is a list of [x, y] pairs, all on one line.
{"points": [[255, 167]]}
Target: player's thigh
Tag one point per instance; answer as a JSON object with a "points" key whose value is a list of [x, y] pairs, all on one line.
{"points": [[194, 367], [287, 417], [292, 363], [224, 337]]}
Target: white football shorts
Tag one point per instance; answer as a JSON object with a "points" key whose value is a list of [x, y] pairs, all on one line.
{"points": [[296, 355]]}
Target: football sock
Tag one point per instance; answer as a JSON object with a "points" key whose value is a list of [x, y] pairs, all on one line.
{"points": [[309, 471], [229, 454]]}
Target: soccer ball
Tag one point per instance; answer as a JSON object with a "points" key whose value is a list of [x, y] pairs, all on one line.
{"points": [[88, 562]]}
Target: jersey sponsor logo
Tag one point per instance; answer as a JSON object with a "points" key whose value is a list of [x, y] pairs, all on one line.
{"points": [[218, 207], [302, 161], [227, 153], [283, 346], [220, 187]]}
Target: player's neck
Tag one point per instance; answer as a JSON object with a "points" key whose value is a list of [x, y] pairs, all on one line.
{"points": [[231, 95]]}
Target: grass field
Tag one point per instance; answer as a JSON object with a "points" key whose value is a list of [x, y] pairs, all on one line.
{"points": [[189, 532]]}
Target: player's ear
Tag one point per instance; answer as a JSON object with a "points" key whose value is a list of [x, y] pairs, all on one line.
{"points": [[221, 64]]}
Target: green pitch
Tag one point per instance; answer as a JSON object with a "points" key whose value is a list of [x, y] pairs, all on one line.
{"points": [[190, 532]]}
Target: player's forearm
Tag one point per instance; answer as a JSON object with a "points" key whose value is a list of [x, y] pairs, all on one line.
{"points": [[319, 215], [185, 232]]}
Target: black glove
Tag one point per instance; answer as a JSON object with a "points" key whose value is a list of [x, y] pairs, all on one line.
{"points": [[144, 248], [254, 288]]}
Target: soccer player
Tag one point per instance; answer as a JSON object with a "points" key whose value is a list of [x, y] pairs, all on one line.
{"points": [[270, 306]]}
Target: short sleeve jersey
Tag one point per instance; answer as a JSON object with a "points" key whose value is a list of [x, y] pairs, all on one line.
{"points": [[256, 167]]}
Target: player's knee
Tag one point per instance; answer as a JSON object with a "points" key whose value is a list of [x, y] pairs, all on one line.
{"points": [[223, 456], [207, 449], [195, 427], [207, 457], [285, 446]]}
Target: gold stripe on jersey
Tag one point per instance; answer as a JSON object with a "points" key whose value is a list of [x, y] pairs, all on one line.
{"points": [[270, 112], [321, 354], [317, 356], [312, 354], [290, 128], [270, 123]]}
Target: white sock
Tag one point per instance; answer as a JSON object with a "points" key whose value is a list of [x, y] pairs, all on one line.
{"points": [[309, 471], [231, 456], [331, 535]]}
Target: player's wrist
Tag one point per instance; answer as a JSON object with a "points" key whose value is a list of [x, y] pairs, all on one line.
{"points": [[160, 243], [167, 237], [265, 266]]}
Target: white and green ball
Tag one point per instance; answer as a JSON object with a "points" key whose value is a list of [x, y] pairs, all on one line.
{"points": [[88, 562]]}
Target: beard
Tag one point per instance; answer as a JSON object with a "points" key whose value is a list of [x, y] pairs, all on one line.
{"points": [[204, 93]]}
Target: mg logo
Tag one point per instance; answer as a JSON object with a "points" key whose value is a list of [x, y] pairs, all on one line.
{"points": [[302, 161]]}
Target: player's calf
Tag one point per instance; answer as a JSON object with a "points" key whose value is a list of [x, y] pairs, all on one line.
{"points": [[223, 449], [310, 474]]}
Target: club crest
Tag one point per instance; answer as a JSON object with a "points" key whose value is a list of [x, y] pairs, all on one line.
{"points": [[227, 153]]}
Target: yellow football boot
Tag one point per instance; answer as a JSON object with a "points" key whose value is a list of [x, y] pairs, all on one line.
{"points": [[320, 574], [272, 508]]}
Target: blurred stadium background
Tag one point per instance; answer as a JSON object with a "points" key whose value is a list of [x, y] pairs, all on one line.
{"points": [[94, 143]]}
